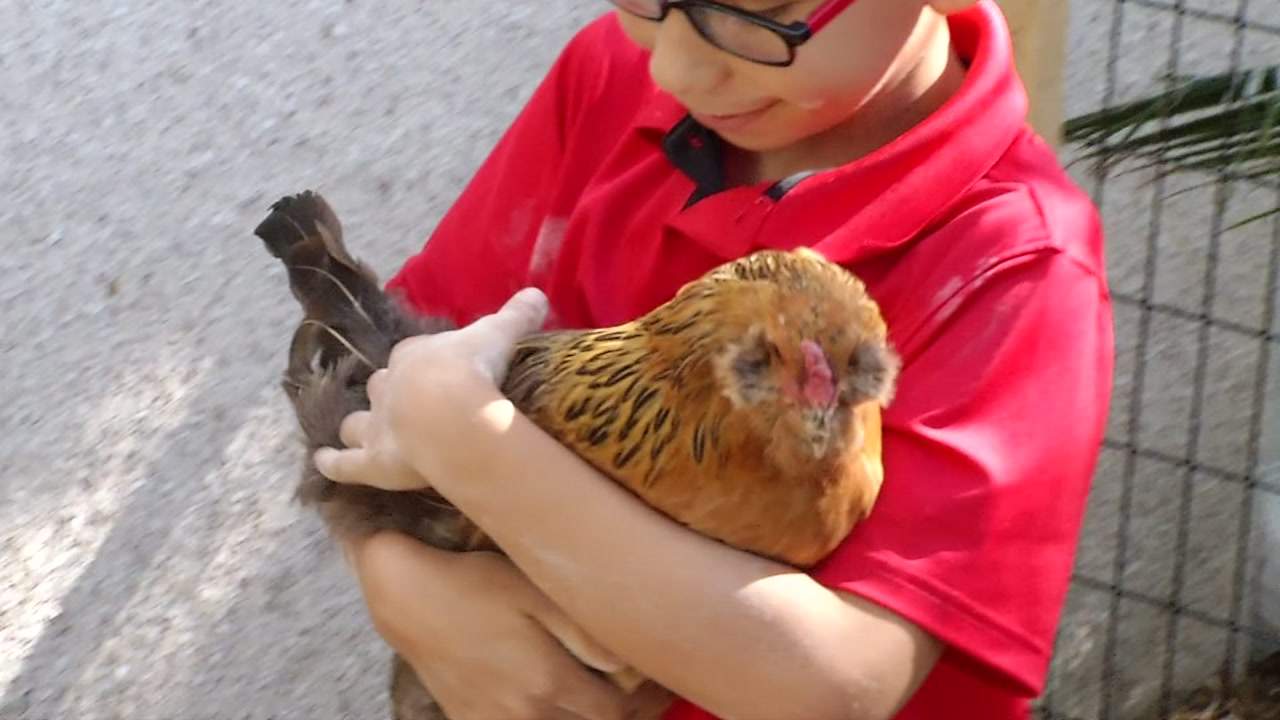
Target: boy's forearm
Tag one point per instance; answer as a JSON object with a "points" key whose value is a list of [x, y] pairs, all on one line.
{"points": [[740, 635]]}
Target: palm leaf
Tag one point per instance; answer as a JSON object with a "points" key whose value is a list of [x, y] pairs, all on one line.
{"points": [[1227, 124]]}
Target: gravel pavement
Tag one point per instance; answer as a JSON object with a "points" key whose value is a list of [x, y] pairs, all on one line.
{"points": [[152, 564]]}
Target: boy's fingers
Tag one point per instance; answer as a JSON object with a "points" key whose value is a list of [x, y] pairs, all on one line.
{"points": [[522, 314], [528, 310], [338, 465], [589, 697], [354, 428], [375, 385], [575, 639], [497, 334]]}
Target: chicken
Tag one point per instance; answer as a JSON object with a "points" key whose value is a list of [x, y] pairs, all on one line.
{"points": [[747, 407]]}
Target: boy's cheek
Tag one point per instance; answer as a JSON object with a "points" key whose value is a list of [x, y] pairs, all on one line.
{"points": [[638, 30], [816, 100]]}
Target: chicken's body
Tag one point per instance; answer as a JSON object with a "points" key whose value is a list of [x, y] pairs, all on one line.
{"points": [[746, 408], [646, 404]]}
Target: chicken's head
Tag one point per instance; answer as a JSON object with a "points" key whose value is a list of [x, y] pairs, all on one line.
{"points": [[800, 363]]}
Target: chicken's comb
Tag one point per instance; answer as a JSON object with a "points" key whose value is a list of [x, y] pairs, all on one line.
{"points": [[819, 381]]}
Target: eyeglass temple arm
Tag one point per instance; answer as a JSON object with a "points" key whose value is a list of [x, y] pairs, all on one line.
{"points": [[826, 13]]}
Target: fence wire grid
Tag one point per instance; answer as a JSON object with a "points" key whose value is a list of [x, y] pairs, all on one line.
{"points": [[1177, 581]]}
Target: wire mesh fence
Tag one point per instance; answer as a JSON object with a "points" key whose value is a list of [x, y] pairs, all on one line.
{"points": [[1177, 583]]}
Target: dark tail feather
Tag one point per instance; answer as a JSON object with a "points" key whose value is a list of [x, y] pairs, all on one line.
{"points": [[348, 328], [305, 218], [339, 294], [336, 290]]}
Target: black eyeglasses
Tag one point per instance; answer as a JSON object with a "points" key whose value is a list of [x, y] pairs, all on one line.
{"points": [[748, 35]]}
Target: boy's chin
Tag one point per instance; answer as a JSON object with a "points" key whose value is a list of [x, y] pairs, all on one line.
{"points": [[764, 142], [786, 128], [759, 141]]}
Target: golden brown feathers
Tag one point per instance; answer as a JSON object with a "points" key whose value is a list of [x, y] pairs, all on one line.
{"points": [[700, 409]]}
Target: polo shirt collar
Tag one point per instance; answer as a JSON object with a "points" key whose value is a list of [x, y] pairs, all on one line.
{"points": [[884, 199]]}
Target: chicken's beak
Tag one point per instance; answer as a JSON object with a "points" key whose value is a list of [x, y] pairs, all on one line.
{"points": [[819, 425]]}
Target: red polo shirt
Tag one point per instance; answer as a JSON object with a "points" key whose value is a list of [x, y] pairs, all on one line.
{"points": [[986, 261]]}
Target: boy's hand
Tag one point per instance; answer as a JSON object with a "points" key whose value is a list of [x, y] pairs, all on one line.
{"points": [[372, 456], [482, 638], [430, 381]]}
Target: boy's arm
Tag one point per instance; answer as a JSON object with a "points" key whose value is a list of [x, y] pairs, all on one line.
{"points": [[435, 607], [741, 636], [990, 445]]}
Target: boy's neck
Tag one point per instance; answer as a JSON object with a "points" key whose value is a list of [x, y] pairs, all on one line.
{"points": [[894, 110]]}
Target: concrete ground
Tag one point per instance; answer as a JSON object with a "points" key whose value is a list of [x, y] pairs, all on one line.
{"points": [[152, 564]]}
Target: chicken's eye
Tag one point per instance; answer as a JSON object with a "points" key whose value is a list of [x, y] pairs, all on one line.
{"points": [[752, 362], [754, 358]]}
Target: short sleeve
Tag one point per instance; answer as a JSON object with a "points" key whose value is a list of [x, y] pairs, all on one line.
{"points": [[989, 450], [480, 252]]}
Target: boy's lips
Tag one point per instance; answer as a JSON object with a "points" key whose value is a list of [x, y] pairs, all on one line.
{"points": [[732, 121]]}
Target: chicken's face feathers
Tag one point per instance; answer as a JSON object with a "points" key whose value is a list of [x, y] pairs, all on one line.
{"points": [[872, 373], [786, 390], [751, 369], [819, 428], [799, 346], [800, 435]]}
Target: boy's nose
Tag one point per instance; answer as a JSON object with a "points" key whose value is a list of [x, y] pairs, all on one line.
{"points": [[682, 62]]}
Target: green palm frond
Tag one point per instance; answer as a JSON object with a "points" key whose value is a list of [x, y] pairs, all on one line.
{"points": [[1227, 123]]}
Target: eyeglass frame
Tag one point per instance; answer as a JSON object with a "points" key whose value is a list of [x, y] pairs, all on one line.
{"points": [[793, 34]]}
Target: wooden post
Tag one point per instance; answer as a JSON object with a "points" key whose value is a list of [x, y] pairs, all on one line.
{"points": [[1039, 30]]}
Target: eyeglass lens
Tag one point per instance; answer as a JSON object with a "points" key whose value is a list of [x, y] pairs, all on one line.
{"points": [[721, 28]]}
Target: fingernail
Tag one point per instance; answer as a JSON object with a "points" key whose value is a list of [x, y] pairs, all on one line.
{"points": [[532, 296], [321, 459], [536, 302]]}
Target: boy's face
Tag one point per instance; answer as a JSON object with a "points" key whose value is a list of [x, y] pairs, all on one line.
{"points": [[868, 48]]}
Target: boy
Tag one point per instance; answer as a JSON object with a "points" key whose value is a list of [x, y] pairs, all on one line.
{"points": [[671, 137]]}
